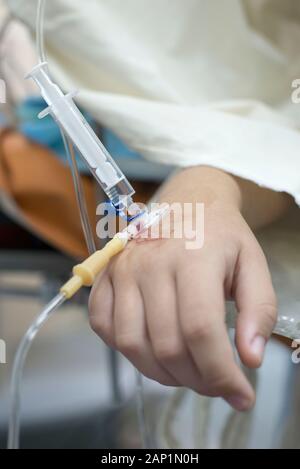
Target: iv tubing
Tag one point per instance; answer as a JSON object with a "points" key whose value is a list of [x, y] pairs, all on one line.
{"points": [[83, 275], [18, 366], [40, 30], [85, 223]]}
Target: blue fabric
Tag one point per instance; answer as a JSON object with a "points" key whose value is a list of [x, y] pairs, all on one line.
{"points": [[3, 120]]}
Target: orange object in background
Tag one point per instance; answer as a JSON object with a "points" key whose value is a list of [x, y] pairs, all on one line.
{"points": [[42, 188]]}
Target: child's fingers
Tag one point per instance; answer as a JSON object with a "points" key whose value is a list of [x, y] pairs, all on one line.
{"points": [[159, 293], [256, 303], [131, 335], [101, 309], [202, 313]]}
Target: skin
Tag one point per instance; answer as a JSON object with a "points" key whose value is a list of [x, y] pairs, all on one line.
{"points": [[163, 306]]}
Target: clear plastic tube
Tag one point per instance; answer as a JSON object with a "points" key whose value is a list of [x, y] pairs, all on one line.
{"points": [[84, 217], [18, 367], [142, 419], [40, 42]]}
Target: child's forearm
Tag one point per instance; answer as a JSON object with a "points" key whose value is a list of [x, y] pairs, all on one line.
{"points": [[259, 206]]}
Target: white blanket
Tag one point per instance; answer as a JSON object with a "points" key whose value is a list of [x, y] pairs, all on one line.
{"points": [[186, 82]]}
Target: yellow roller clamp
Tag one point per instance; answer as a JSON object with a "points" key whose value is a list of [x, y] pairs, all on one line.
{"points": [[85, 274]]}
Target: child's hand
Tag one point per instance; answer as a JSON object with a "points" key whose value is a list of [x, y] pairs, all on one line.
{"points": [[163, 306]]}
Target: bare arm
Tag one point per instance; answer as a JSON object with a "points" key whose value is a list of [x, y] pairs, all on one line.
{"points": [[258, 205]]}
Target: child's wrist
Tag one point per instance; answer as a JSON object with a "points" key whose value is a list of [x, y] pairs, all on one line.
{"points": [[203, 184]]}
